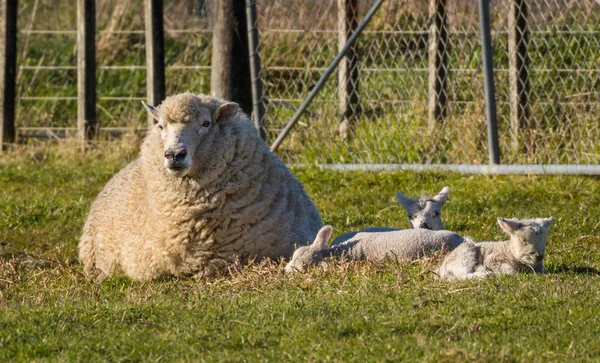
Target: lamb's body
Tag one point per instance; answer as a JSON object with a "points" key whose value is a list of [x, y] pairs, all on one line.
{"points": [[240, 203], [401, 245], [524, 252]]}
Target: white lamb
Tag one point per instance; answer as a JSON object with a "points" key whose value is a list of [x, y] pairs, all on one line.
{"points": [[524, 252], [401, 245], [423, 213], [204, 192]]}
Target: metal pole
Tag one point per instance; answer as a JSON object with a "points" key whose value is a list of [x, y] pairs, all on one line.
{"points": [[8, 70], [155, 54], [258, 106], [488, 78], [325, 76]]}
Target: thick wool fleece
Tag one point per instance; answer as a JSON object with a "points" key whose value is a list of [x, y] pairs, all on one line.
{"points": [[238, 201]]}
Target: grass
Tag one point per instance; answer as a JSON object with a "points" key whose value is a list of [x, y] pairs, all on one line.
{"points": [[348, 312]]}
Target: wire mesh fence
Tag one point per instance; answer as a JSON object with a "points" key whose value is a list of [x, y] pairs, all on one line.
{"points": [[418, 82], [411, 91]]}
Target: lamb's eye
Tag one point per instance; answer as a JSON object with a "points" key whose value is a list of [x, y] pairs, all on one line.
{"points": [[437, 213], [206, 123], [160, 127]]}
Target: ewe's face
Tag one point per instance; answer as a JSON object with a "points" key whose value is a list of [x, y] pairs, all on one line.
{"points": [[181, 141], [183, 124], [425, 213], [529, 237]]}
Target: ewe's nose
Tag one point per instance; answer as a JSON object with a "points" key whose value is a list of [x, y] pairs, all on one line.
{"points": [[424, 225], [177, 157]]}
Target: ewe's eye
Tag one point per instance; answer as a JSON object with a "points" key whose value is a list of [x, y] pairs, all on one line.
{"points": [[206, 123], [436, 213]]}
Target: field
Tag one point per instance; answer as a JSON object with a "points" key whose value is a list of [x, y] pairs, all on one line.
{"points": [[348, 312]]}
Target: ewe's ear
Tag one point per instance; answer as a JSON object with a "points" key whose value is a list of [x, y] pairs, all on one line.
{"points": [[322, 238], [226, 111], [547, 222], [509, 225], [442, 195], [404, 200], [153, 110]]}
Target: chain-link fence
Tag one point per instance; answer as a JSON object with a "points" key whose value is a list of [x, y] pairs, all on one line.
{"points": [[417, 93], [410, 92]]}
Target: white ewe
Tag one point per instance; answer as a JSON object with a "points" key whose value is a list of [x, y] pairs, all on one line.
{"points": [[204, 192]]}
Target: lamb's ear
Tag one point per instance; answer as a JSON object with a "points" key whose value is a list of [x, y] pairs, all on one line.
{"points": [[226, 111], [405, 201], [547, 222], [153, 110], [442, 195], [509, 225], [322, 238]]}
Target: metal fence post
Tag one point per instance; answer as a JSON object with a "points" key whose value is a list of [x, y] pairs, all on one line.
{"points": [[86, 70], [258, 106], [438, 62], [348, 68], [518, 72], [488, 78], [155, 54], [8, 70]]}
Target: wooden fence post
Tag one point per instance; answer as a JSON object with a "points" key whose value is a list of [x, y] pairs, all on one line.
{"points": [[230, 70], [348, 67], [86, 70], [155, 54], [8, 70], [518, 72], [438, 62]]}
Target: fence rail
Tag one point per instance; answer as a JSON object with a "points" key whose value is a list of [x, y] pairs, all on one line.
{"points": [[410, 91]]}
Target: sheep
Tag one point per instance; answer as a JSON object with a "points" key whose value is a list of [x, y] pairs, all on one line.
{"points": [[205, 191], [401, 245], [422, 213], [524, 252]]}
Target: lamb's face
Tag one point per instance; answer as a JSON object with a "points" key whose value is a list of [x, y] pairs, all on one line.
{"points": [[183, 123], [529, 238], [306, 256], [425, 213]]}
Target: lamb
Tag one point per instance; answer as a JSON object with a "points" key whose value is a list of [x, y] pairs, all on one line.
{"points": [[401, 245], [422, 213], [524, 252], [205, 191]]}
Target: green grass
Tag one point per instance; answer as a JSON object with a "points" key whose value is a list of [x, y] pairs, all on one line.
{"points": [[349, 312]]}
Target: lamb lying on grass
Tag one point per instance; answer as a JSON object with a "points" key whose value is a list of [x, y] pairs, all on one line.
{"points": [[524, 252], [423, 213], [206, 191], [401, 245]]}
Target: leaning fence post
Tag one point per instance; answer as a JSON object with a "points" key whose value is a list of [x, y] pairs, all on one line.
{"points": [[488, 80], [155, 54], [8, 70], [86, 70], [438, 38], [348, 68], [258, 106], [518, 73]]}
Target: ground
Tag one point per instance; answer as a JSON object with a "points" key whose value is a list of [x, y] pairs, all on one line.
{"points": [[348, 312]]}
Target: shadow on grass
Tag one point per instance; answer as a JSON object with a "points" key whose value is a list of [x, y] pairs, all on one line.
{"points": [[579, 270]]}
